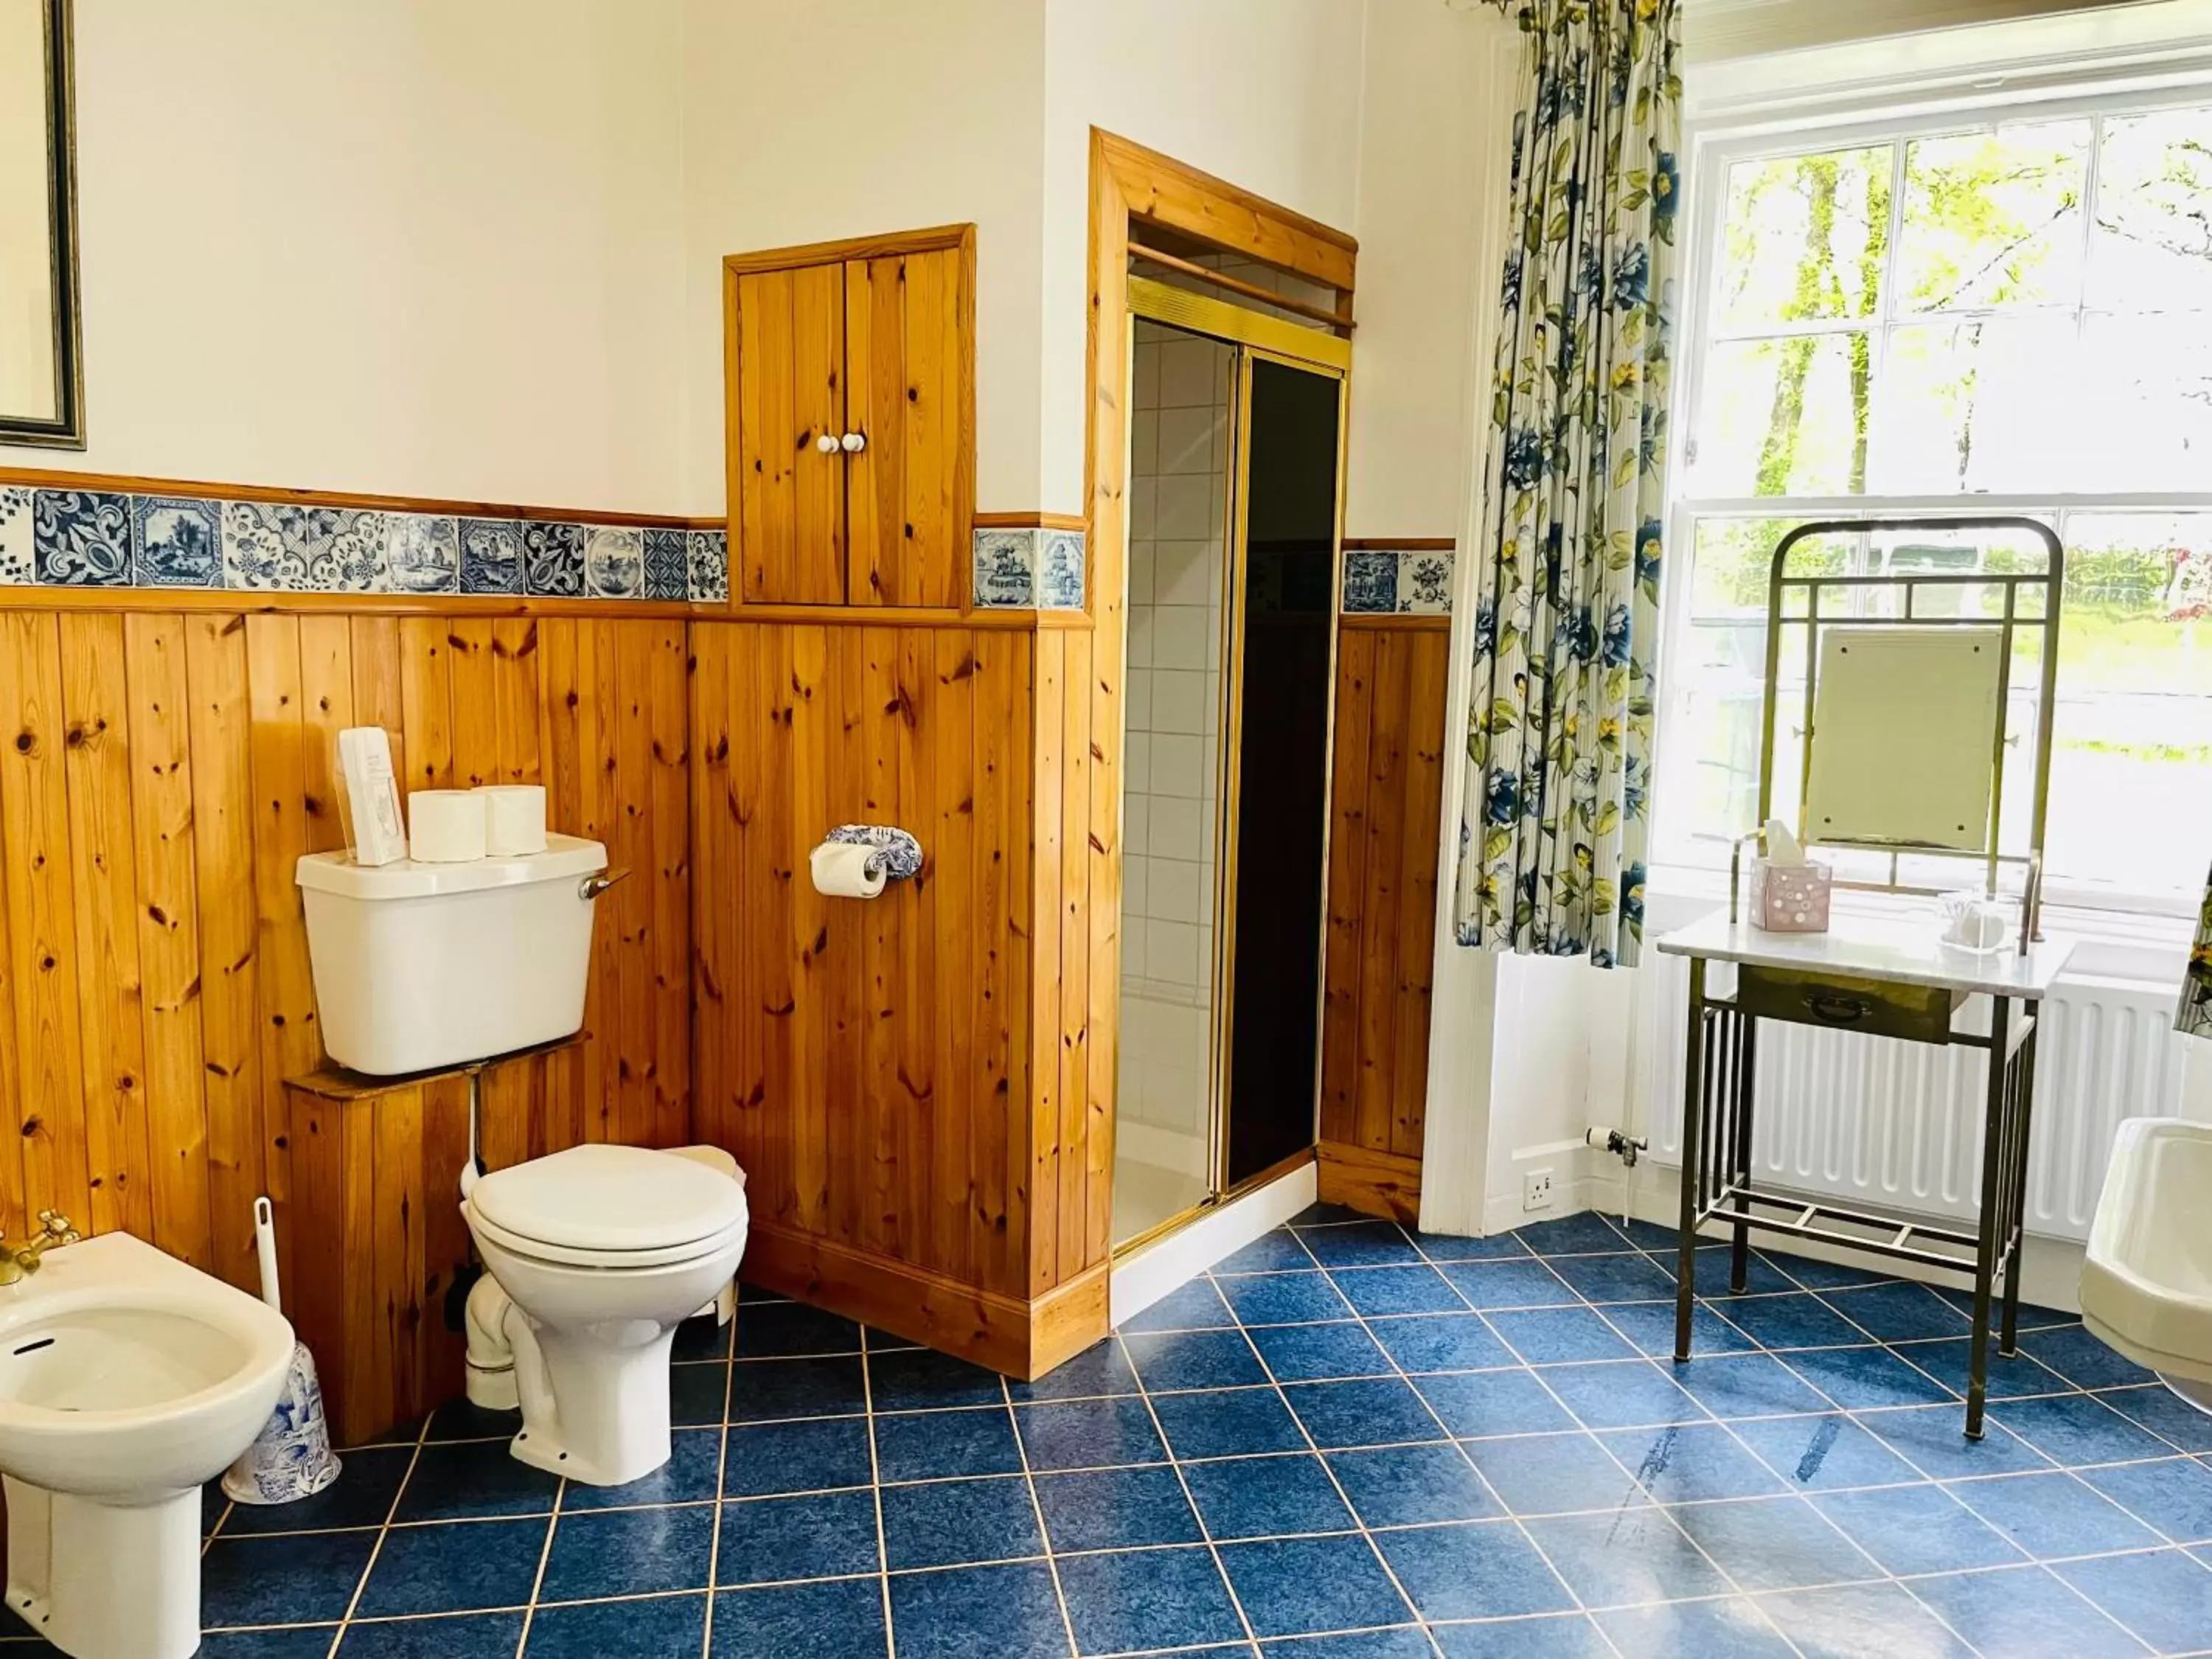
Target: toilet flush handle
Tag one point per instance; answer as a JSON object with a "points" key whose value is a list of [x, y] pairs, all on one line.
{"points": [[591, 886]]}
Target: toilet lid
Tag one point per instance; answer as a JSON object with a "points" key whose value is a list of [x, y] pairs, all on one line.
{"points": [[601, 1198]]}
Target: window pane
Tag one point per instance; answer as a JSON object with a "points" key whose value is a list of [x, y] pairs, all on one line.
{"points": [[1994, 218], [1786, 416], [2131, 785], [1988, 404], [2152, 250], [1805, 239], [2145, 403]]}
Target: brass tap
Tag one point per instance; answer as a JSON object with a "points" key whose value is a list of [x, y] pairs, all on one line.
{"points": [[54, 1228]]}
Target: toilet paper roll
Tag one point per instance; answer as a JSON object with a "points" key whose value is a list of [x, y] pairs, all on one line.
{"points": [[843, 871], [514, 819], [445, 826]]}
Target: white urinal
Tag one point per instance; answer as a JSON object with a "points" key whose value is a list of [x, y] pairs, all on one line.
{"points": [[2146, 1282]]}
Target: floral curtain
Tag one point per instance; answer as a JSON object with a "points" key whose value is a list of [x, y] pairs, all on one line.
{"points": [[1566, 624], [2193, 1014]]}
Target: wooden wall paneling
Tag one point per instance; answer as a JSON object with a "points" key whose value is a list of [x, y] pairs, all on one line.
{"points": [[158, 716], [768, 934], [1018, 835], [788, 506], [667, 697], [426, 694], [473, 683], [35, 843], [1075, 863], [1379, 903], [576, 761], [518, 689], [102, 875], [224, 823], [1049, 738], [625, 674], [1427, 670], [877, 572], [315, 1297], [953, 734], [367, 1349], [1347, 867], [925, 1086], [804, 653], [847, 928], [713, 894], [1103, 1022], [1000, 683], [445, 1270], [884, 715], [401, 1211]]}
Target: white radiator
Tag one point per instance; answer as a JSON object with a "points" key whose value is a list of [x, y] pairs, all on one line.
{"points": [[1898, 1125]]}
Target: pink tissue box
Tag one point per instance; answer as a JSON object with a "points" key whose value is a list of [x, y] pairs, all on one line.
{"points": [[1790, 898]]}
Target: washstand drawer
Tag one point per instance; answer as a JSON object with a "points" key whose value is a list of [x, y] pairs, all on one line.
{"points": [[1918, 1013]]}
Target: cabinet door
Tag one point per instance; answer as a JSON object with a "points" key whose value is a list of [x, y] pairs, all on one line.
{"points": [[788, 522], [910, 492]]}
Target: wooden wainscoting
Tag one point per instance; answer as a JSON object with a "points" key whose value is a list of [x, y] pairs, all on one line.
{"points": [[165, 771], [1388, 796]]}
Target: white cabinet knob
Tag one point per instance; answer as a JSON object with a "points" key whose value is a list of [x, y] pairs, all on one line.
{"points": [[854, 443], [827, 443]]}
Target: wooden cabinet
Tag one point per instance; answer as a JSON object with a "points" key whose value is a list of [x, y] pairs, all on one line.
{"points": [[851, 388]]}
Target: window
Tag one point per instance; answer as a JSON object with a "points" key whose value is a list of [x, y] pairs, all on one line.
{"points": [[2012, 316]]}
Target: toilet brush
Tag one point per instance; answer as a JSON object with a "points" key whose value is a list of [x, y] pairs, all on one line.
{"points": [[291, 1457]]}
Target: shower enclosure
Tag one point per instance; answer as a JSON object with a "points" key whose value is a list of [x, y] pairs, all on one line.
{"points": [[1235, 483]]}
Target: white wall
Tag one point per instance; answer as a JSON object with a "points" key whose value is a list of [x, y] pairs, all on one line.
{"points": [[803, 123], [422, 246]]}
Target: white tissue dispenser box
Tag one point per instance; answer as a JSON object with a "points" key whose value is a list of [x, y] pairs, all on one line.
{"points": [[1790, 898]]}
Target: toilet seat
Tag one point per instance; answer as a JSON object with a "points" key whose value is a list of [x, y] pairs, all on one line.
{"points": [[609, 1206]]}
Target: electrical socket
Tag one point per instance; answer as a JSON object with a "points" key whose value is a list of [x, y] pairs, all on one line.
{"points": [[1536, 1190]]}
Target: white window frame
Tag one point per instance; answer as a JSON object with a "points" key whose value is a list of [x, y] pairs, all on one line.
{"points": [[1822, 118]]}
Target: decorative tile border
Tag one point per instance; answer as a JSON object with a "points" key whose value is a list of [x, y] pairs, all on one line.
{"points": [[1028, 569], [1406, 581], [106, 538]]}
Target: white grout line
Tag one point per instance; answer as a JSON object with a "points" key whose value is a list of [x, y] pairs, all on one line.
{"points": [[721, 1462], [377, 1548], [1036, 1513], [876, 1493], [544, 1554]]}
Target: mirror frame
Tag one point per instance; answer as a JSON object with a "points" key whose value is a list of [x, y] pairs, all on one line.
{"points": [[64, 430]]}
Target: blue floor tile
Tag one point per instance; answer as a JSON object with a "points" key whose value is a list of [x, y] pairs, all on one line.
{"points": [[1774, 1543], [668, 1625], [2165, 1598], [1853, 1621], [1477, 1403], [2025, 1612], [1816, 1275], [1196, 1306], [1649, 1326], [361, 1497], [2052, 1514], [1637, 1394], [1115, 1508], [1633, 1555], [835, 1619], [282, 1580], [698, 1395], [1100, 1369], [1863, 1378], [1009, 1612], [781, 1457], [2174, 1494], [1291, 1587], [1687, 1463], [1731, 1629], [307, 1642], [1404, 1641], [1448, 1247], [1087, 1434], [1762, 1277], [767, 1540], [932, 1445], [2080, 1358], [1407, 1486], [1920, 1528], [1553, 1474], [1379, 1412], [1512, 1283], [2008, 1378], [1484, 1570], [1732, 1386], [2076, 1429], [1266, 1497], [481, 1477], [1574, 1235], [1823, 1454], [1544, 1636], [1560, 1336], [1309, 1353], [1268, 1252], [1326, 1215], [1358, 1244], [921, 1379], [453, 1566], [1933, 1439], [948, 1523], [462, 1419], [1176, 1360], [629, 1552], [1229, 1423], [1409, 1290], [1629, 1277], [1441, 1342], [1145, 1599], [1898, 1311], [781, 1330], [1798, 1320], [469, 1637], [2165, 1414], [693, 1461], [1283, 1298], [769, 1391]]}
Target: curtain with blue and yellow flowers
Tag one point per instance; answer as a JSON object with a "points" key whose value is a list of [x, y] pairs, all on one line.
{"points": [[2193, 1015], [1567, 623]]}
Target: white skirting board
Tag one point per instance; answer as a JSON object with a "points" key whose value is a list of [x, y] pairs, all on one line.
{"points": [[1143, 1277]]}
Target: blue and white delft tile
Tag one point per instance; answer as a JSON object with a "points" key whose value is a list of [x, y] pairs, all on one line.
{"points": [[1060, 572], [18, 559], [1425, 582], [1006, 568], [348, 553], [491, 556], [614, 560], [302, 550], [553, 559], [667, 565], [176, 541], [81, 538], [710, 566], [1371, 582], [422, 553]]}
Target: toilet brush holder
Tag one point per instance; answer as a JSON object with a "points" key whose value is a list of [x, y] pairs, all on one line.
{"points": [[291, 1457]]}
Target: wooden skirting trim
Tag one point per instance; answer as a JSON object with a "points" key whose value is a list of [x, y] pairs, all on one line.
{"points": [[132, 484], [1400, 543], [1399, 621], [1386, 1184], [891, 615], [1024, 1340], [1029, 520]]}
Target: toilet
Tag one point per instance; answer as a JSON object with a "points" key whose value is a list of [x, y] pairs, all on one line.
{"points": [[592, 1256], [2146, 1277]]}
